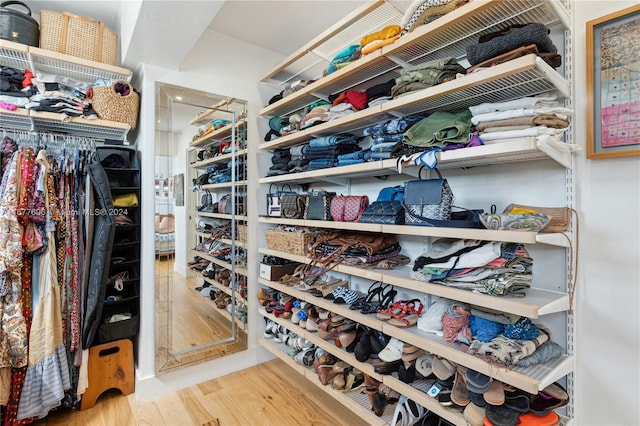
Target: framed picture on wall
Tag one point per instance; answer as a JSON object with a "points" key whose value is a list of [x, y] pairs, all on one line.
{"points": [[613, 84]]}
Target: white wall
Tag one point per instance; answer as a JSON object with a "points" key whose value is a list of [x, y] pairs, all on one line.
{"points": [[608, 294]]}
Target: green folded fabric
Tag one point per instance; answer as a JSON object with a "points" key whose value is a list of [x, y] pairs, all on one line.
{"points": [[440, 129]]}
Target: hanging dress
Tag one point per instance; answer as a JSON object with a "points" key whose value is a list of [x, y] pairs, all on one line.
{"points": [[48, 371]]}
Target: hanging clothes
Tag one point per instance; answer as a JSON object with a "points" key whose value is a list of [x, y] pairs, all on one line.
{"points": [[47, 375]]}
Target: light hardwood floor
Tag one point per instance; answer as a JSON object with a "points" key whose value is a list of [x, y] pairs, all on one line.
{"points": [[267, 394], [188, 321]]}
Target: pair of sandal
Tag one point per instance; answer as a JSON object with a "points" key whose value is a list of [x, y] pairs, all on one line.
{"points": [[403, 313], [325, 288], [342, 295], [378, 298]]}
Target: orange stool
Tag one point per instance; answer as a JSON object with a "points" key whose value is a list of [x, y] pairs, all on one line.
{"points": [[110, 367]]}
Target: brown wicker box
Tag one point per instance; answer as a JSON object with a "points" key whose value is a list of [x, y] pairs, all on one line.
{"points": [[290, 242], [78, 36]]}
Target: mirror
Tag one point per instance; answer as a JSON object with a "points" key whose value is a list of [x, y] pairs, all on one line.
{"points": [[200, 285]]}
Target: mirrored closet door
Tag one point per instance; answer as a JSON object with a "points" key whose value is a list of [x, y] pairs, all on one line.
{"points": [[200, 226]]}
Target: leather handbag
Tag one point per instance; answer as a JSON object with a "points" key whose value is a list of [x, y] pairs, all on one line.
{"points": [[348, 208], [222, 203], [384, 212], [329, 249], [391, 193], [427, 199], [292, 206], [318, 205], [274, 198]]}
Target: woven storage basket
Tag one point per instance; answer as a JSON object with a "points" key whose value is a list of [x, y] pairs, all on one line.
{"points": [[560, 216], [111, 105], [78, 36], [242, 233], [290, 242]]}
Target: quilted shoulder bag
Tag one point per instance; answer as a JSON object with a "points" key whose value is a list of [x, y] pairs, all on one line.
{"points": [[348, 208], [426, 199], [292, 206], [318, 206], [274, 198], [384, 212]]}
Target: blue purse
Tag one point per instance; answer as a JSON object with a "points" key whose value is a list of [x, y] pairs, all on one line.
{"points": [[391, 193]]}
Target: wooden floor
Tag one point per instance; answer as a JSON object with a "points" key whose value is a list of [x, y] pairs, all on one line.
{"points": [[185, 319], [267, 394]]}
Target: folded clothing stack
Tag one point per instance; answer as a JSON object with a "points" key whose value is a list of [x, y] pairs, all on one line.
{"points": [[386, 135], [323, 151], [279, 162], [485, 267], [491, 47], [539, 116]]}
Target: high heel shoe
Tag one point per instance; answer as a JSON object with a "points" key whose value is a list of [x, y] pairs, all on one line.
{"points": [[375, 288], [384, 300]]}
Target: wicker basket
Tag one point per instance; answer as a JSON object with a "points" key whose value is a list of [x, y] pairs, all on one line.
{"points": [[289, 242], [242, 233], [78, 36]]}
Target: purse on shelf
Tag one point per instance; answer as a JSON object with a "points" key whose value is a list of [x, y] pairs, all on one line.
{"points": [[205, 201], [274, 198], [318, 204], [348, 208], [391, 193], [330, 249], [427, 199], [118, 102], [384, 213], [222, 203], [560, 217], [292, 206]]}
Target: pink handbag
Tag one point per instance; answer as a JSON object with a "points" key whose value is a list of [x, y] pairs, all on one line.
{"points": [[348, 208]]}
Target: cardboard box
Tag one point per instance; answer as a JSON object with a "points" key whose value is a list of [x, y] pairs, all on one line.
{"points": [[275, 272]]}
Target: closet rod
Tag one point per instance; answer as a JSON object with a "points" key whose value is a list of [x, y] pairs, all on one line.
{"points": [[51, 140]]}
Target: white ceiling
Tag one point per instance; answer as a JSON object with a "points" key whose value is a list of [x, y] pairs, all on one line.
{"points": [[280, 26], [166, 30]]}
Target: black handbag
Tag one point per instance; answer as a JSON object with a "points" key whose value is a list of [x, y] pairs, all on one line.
{"points": [[205, 200], [292, 206], [459, 219], [427, 199], [384, 212], [274, 198], [318, 205]]}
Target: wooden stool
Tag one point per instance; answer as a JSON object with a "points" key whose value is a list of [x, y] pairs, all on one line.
{"points": [[110, 367]]}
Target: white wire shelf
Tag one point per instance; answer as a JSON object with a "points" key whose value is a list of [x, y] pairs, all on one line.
{"points": [[49, 122], [537, 302], [224, 158], [525, 76], [221, 133], [447, 36], [38, 60], [525, 149]]}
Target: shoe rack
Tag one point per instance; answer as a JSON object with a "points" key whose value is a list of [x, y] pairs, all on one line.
{"points": [[524, 76], [122, 297]]}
